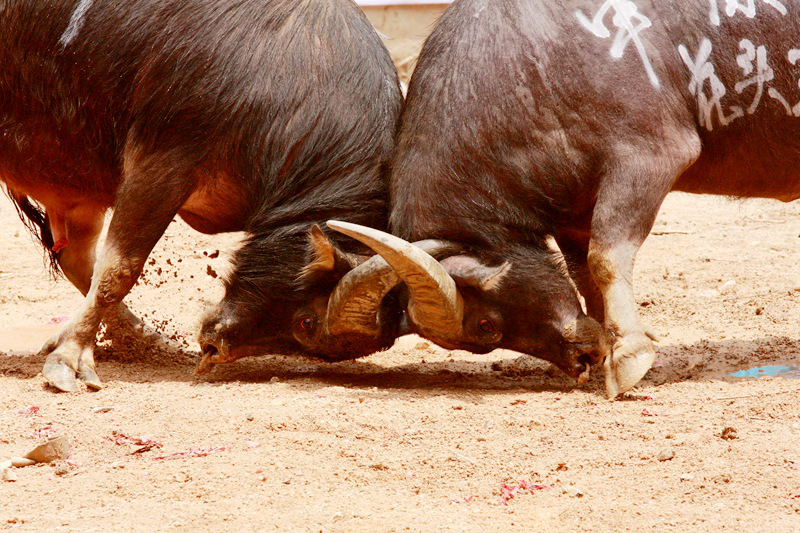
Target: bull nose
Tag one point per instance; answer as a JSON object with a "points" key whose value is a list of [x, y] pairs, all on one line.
{"points": [[210, 352], [589, 355], [214, 351], [209, 349], [588, 345]]}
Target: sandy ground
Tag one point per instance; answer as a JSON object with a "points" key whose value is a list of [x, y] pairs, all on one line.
{"points": [[418, 438]]}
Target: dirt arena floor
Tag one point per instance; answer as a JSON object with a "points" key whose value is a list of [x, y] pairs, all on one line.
{"points": [[418, 438]]}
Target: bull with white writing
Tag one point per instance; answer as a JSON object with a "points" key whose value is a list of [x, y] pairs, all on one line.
{"points": [[531, 119]]}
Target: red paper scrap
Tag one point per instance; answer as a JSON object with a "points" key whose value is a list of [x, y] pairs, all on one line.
{"points": [[193, 452], [508, 492]]}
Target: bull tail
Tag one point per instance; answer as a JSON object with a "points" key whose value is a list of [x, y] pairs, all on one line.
{"points": [[35, 219]]}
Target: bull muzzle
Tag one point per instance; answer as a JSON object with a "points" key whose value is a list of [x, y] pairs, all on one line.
{"points": [[586, 347], [213, 353]]}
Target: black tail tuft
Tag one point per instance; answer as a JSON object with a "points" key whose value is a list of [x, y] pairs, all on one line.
{"points": [[35, 219]]}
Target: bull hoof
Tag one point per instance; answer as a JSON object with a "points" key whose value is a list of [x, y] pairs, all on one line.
{"points": [[59, 375], [89, 377], [631, 359]]}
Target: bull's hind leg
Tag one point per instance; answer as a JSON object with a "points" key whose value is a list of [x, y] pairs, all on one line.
{"points": [[630, 195], [82, 226], [152, 191]]}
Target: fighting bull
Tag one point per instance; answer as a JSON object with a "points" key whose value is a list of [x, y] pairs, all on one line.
{"points": [[528, 119], [262, 117]]}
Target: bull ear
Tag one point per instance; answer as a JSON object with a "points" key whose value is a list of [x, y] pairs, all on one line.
{"points": [[325, 257], [493, 276], [469, 271], [323, 251]]}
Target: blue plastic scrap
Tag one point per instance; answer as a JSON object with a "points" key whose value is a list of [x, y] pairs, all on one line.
{"points": [[783, 371]]}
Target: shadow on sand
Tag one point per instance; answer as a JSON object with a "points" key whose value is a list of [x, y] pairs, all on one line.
{"points": [[430, 370]]}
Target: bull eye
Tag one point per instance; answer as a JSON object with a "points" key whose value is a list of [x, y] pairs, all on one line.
{"points": [[306, 325], [486, 326]]}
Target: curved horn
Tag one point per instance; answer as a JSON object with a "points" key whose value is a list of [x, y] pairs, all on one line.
{"points": [[435, 304], [356, 300]]}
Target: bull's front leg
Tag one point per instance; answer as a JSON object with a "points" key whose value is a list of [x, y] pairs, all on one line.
{"points": [[628, 201], [632, 352], [153, 189]]}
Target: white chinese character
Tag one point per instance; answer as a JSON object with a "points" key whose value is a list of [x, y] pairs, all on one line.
{"points": [[629, 23], [748, 7], [703, 71], [763, 72], [794, 57]]}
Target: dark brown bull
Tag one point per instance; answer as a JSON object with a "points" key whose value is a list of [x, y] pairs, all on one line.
{"points": [[529, 118], [266, 117]]}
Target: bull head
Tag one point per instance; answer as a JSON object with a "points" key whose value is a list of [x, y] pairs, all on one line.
{"points": [[337, 307], [463, 301]]}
